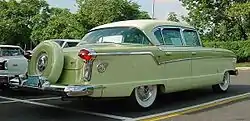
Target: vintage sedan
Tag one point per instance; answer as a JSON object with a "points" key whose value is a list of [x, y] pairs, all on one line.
{"points": [[12, 63], [138, 59]]}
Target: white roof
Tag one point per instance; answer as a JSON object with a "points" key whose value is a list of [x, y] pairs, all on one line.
{"points": [[13, 46], [66, 40], [142, 24]]}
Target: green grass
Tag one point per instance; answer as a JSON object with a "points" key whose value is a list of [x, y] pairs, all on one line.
{"points": [[245, 64]]}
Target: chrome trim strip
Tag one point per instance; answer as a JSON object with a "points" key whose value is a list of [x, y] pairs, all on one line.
{"points": [[7, 75], [124, 53], [195, 58], [175, 60], [159, 63], [57, 86]]}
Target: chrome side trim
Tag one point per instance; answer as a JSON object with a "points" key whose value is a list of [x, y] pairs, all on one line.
{"points": [[175, 60], [4, 75], [154, 57], [129, 53], [124, 53], [195, 58]]}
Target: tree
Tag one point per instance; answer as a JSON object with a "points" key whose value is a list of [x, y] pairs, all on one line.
{"points": [[61, 23], [172, 16], [16, 20], [97, 12], [212, 17]]}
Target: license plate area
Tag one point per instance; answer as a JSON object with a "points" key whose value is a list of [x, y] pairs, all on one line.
{"points": [[33, 81]]}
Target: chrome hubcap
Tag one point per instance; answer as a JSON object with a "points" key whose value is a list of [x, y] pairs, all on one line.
{"points": [[42, 62], [226, 81], [144, 92]]}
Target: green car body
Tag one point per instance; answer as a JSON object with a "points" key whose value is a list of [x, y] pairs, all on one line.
{"points": [[117, 67]]}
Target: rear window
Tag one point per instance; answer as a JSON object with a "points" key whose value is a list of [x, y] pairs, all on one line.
{"points": [[10, 51]]}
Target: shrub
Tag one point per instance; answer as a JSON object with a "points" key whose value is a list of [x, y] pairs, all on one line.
{"points": [[240, 48]]}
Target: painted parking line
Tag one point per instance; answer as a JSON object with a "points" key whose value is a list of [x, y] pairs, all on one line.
{"points": [[38, 99], [6, 102], [174, 113], [67, 109], [48, 98]]}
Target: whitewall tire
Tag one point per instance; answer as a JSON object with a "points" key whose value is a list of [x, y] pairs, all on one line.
{"points": [[144, 96], [223, 87]]}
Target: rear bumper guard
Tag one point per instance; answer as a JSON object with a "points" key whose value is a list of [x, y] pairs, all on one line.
{"points": [[234, 72], [45, 86]]}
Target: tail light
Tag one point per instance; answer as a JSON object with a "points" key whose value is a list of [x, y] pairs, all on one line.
{"points": [[86, 55]]}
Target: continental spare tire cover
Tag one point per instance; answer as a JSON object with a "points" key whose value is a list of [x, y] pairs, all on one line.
{"points": [[47, 60]]}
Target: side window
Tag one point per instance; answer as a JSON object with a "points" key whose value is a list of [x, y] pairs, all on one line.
{"points": [[158, 36], [172, 36], [135, 36], [191, 38]]}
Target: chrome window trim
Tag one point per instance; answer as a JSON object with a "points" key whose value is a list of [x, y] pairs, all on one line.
{"points": [[180, 30], [161, 27], [196, 34]]}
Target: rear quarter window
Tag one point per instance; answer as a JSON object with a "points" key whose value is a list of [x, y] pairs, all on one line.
{"points": [[191, 38]]}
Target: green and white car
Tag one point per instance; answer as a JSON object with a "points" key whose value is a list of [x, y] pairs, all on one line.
{"points": [[136, 58]]}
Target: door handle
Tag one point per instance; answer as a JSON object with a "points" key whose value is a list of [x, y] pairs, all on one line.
{"points": [[193, 53], [168, 53], [15, 65]]}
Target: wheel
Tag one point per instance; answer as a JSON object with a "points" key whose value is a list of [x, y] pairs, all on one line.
{"points": [[144, 96], [223, 87], [47, 60]]}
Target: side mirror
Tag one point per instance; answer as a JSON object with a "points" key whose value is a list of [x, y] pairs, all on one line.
{"points": [[28, 55]]}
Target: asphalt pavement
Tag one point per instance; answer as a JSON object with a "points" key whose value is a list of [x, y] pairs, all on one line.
{"points": [[21, 105]]}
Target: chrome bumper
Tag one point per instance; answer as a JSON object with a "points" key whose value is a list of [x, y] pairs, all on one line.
{"points": [[45, 86], [234, 72]]}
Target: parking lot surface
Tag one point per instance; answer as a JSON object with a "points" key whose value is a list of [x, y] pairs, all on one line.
{"points": [[234, 112], [26, 106]]}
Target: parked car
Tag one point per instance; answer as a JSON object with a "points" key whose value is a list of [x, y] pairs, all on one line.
{"points": [[136, 58], [64, 43], [12, 63]]}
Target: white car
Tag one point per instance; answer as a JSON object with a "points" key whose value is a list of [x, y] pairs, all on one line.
{"points": [[64, 43], [12, 63], [21, 73]]}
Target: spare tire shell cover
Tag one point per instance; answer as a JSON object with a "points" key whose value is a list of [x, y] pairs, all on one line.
{"points": [[47, 60]]}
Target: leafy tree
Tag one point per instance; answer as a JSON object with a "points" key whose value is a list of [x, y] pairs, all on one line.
{"points": [[16, 20], [25, 22], [172, 16], [212, 17], [61, 23], [97, 12]]}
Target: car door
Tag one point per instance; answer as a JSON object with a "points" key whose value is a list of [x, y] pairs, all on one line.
{"points": [[177, 59], [203, 63]]}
